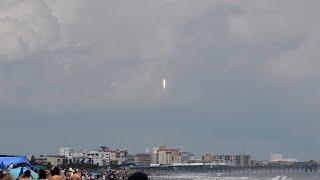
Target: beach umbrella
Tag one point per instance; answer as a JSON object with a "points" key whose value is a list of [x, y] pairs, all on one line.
{"points": [[16, 172], [40, 167], [2, 166]]}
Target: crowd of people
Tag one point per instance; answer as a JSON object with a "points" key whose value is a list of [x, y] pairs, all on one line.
{"points": [[71, 174]]}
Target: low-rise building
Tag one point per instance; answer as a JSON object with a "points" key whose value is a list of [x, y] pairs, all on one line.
{"points": [[72, 154], [102, 157], [142, 159], [55, 160], [168, 156], [233, 160], [119, 155], [276, 157], [37, 159], [187, 157]]}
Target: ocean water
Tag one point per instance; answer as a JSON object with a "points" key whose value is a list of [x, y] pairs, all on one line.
{"points": [[222, 177]]}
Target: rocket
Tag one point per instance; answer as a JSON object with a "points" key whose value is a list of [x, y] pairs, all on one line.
{"points": [[164, 83]]}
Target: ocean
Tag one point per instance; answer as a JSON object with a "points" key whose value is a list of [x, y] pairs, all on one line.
{"points": [[222, 177]]}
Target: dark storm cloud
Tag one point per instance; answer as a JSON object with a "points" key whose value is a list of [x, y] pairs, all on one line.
{"points": [[239, 73]]}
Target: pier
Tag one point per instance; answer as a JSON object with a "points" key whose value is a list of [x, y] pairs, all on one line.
{"points": [[308, 168]]}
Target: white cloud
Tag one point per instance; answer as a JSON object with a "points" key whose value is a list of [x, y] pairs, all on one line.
{"points": [[111, 52], [125, 48], [26, 27], [226, 61], [299, 65]]}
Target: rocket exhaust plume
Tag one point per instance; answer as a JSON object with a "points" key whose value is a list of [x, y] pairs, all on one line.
{"points": [[164, 83]]}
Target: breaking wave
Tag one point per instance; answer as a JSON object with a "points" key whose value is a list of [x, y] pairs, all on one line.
{"points": [[213, 177]]}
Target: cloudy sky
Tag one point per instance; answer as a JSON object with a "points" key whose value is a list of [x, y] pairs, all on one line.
{"points": [[87, 73]]}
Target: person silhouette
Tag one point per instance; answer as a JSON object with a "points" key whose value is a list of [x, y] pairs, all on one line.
{"points": [[138, 176]]}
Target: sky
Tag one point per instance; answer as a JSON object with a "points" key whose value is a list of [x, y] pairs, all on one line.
{"points": [[242, 76]]}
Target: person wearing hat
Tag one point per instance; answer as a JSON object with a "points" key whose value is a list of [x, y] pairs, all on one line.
{"points": [[68, 173]]}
